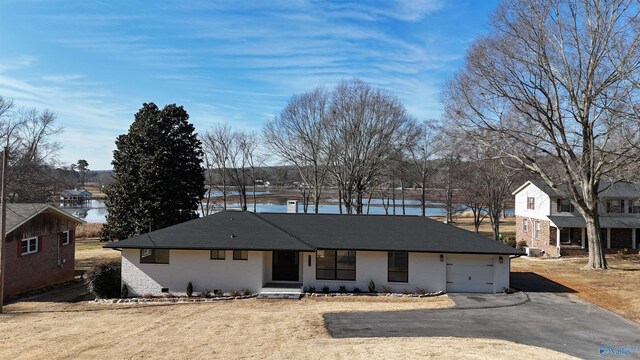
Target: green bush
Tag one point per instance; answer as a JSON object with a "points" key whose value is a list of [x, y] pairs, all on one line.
{"points": [[356, 290], [205, 293], [124, 291], [325, 289], [372, 286], [103, 279], [312, 289], [189, 289], [342, 289], [245, 292]]}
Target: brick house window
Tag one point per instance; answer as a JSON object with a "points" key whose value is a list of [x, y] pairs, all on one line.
{"points": [[564, 205], [240, 255], [536, 230], [217, 254], [65, 237], [525, 225], [29, 246], [615, 206], [154, 256], [634, 206], [531, 203]]}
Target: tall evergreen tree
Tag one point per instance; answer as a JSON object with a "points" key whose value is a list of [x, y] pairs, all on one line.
{"points": [[158, 177]]}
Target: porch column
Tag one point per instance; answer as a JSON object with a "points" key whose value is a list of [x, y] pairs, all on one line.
{"points": [[558, 239], [583, 233], [633, 238], [608, 238]]}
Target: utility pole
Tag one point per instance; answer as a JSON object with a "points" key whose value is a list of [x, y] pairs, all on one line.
{"points": [[3, 226]]}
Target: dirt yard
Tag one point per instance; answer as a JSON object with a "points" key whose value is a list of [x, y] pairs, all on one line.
{"points": [[615, 289], [279, 329]]}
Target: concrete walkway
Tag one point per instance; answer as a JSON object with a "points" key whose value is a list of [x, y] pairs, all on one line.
{"points": [[561, 322]]}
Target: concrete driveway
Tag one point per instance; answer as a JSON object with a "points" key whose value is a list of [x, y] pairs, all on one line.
{"points": [[557, 321]]}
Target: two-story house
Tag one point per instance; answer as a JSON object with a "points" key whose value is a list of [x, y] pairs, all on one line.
{"points": [[549, 222]]}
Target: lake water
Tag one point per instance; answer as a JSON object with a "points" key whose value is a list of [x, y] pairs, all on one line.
{"points": [[96, 212]]}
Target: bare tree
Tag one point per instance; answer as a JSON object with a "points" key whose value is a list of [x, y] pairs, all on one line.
{"points": [[241, 167], [368, 126], [421, 156], [217, 143], [557, 81], [472, 195], [299, 136]]}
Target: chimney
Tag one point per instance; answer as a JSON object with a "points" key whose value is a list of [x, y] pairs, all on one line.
{"points": [[292, 206]]}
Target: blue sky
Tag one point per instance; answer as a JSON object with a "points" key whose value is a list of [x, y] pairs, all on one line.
{"points": [[95, 62]]}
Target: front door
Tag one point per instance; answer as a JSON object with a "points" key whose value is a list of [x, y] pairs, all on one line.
{"points": [[285, 266]]}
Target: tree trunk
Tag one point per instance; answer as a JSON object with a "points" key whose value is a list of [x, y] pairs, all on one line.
{"points": [[423, 201], [404, 212], [393, 194], [339, 200], [597, 261]]}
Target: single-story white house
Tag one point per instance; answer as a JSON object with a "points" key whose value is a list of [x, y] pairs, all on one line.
{"points": [[244, 250]]}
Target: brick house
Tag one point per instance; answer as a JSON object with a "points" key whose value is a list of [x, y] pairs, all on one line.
{"points": [[40, 247], [549, 222]]}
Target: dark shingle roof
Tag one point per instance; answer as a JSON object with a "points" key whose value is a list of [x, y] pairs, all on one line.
{"points": [[308, 232], [624, 221]]}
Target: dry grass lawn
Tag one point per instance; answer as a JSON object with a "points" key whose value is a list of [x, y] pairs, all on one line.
{"points": [[90, 251], [615, 289], [507, 226], [278, 329]]}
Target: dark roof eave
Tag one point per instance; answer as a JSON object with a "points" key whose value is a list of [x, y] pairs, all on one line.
{"points": [[432, 251]]}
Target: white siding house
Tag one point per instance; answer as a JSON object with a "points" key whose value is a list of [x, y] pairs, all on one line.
{"points": [[242, 250]]}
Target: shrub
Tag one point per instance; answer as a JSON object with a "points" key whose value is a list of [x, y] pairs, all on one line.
{"points": [[325, 289], [356, 290], [421, 291], [124, 291], [233, 292], [103, 279], [245, 292], [205, 293], [386, 290], [521, 244], [217, 292], [342, 289], [147, 295], [405, 292], [312, 289], [169, 295], [372, 286], [510, 240], [189, 289]]}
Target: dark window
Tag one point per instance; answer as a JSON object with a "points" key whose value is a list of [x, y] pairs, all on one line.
{"points": [[398, 270], [217, 254], [615, 206], [154, 256], [565, 205], [336, 265], [65, 238], [531, 203], [29, 246], [240, 255], [634, 206]]}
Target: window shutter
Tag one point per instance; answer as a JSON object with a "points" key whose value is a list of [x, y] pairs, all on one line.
{"points": [[39, 243], [19, 242], [72, 236], [558, 207]]}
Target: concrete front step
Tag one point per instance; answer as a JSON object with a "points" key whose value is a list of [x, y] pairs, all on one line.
{"points": [[279, 295], [274, 290]]}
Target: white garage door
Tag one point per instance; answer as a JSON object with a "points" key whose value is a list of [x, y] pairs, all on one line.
{"points": [[469, 274]]}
